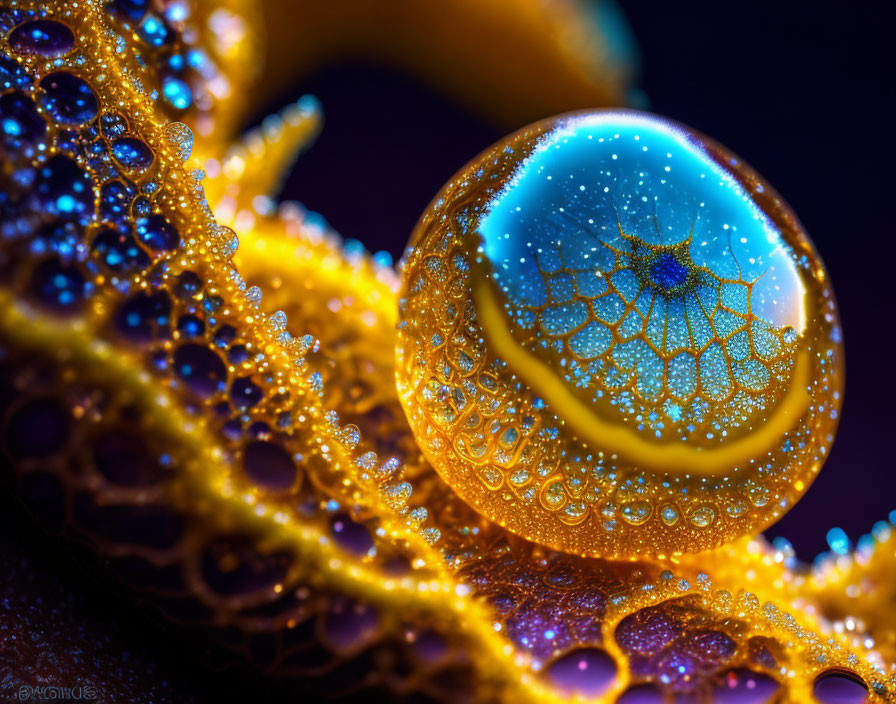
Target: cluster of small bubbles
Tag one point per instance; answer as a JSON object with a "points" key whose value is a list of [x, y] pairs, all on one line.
{"points": [[253, 296], [124, 236], [180, 137]]}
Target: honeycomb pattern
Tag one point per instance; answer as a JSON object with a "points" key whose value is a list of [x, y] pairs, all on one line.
{"points": [[243, 462], [627, 336]]}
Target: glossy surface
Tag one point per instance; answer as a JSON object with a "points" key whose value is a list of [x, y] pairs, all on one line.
{"points": [[633, 347], [198, 385]]}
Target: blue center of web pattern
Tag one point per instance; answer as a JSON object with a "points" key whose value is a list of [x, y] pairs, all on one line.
{"points": [[667, 272]]}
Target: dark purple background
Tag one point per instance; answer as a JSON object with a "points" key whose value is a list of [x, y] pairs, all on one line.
{"points": [[802, 93]]}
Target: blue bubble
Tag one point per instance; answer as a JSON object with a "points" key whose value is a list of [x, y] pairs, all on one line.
{"points": [[157, 233], [58, 286], [68, 98], [11, 127], [43, 37], [132, 153], [153, 31], [128, 9], [838, 541], [62, 188], [177, 93]]}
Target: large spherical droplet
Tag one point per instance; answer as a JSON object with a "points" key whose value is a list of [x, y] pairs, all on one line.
{"points": [[12, 75], [47, 38], [115, 201], [616, 339], [68, 98], [177, 93], [154, 31], [245, 393], [351, 536]]}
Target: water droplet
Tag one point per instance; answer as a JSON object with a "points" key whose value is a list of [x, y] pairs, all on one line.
{"points": [[144, 316], [253, 295], [838, 541], [491, 477], [553, 496], [119, 251], [225, 241], [350, 436], [64, 189], [154, 31], [789, 335], [669, 515], [58, 286], [520, 477], [46, 38], [132, 153], [129, 9], [245, 393], [736, 508], [396, 494], [351, 536], [703, 516], [636, 513], [115, 200], [68, 98]]}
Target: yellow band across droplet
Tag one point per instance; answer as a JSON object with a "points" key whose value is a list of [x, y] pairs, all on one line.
{"points": [[677, 457]]}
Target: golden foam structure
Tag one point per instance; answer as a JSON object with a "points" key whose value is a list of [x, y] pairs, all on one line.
{"points": [[205, 379]]}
